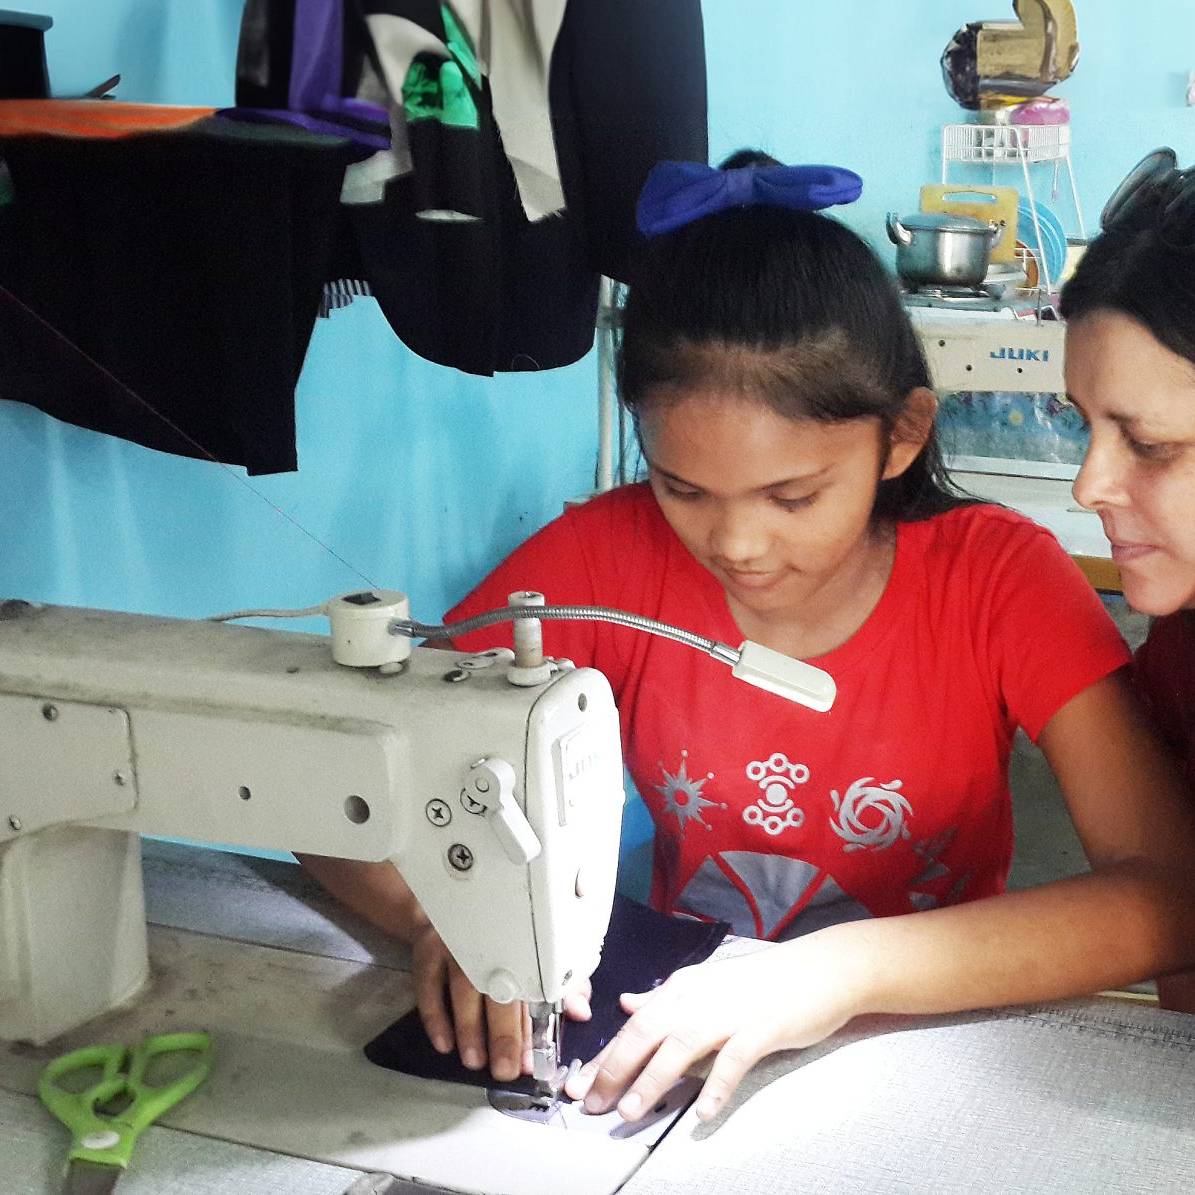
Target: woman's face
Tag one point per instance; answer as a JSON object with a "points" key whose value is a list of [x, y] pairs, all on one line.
{"points": [[1138, 398], [777, 509]]}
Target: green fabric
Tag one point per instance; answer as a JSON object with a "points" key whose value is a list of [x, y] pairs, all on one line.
{"points": [[441, 92]]}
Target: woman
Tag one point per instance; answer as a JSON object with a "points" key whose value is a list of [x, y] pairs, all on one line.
{"points": [[1130, 368]]}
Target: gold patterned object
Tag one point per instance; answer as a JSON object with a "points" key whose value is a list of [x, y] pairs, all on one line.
{"points": [[997, 64]]}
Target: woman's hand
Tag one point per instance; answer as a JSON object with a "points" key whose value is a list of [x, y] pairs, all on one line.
{"points": [[784, 997], [455, 1013]]}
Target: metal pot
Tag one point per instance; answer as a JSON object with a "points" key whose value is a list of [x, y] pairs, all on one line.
{"points": [[938, 249]]}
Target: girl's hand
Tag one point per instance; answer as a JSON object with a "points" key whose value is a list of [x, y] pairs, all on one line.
{"points": [[789, 996], [455, 1013]]}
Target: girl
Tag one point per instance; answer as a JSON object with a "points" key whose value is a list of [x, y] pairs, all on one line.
{"points": [[1130, 365], [795, 497]]}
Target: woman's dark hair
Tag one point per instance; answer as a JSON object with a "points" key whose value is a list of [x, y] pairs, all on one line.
{"points": [[789, 308], [1135, 272]]}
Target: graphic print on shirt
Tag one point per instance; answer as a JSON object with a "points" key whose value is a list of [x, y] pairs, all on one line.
{"points": [[764, 895], [930, 851], [682, 795], [775, 810], [870, 816]]}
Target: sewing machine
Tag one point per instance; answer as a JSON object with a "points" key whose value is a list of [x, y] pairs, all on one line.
{"points": [[493, 782], [113, 723], [500, 804]]}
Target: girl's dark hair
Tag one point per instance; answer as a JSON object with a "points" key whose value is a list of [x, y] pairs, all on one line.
{"points": [[1135, 272], [786, 307]]}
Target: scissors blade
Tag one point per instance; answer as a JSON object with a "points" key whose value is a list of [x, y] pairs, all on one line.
{"points": [[91, 1178]]}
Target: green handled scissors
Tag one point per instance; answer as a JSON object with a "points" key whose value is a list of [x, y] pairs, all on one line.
{"points": [[102, 1144]]}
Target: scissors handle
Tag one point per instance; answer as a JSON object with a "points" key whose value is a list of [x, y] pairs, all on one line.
{"points": [[110, 1139]]}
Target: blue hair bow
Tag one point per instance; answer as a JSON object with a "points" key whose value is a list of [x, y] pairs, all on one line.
{"points": [[677, 193]]}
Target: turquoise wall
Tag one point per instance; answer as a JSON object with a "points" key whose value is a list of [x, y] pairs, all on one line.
{"points": [[417, 476], [420, 477], [859, 84]]}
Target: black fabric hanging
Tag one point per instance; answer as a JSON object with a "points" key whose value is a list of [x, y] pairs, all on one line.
{"points": [[189, 265]]}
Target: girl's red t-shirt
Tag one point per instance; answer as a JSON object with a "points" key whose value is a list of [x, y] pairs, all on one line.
{"points": [[781, 820]]}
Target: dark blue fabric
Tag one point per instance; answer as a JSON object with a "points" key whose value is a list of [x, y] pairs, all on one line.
{"points": [[642, 949], [677, 193]]}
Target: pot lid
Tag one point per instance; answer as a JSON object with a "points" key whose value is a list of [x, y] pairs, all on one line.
{"points": [[942, 222]]}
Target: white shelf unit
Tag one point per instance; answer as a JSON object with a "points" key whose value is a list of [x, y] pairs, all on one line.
{"points": [[1021, 145], [1017, 143]]}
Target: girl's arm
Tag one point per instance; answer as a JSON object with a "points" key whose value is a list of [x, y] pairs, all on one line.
{"points": [[1133, 917]]}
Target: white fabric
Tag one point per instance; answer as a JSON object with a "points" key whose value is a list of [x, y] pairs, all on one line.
{"points": [[396, 41], [1070, 1099], [514, 41]]}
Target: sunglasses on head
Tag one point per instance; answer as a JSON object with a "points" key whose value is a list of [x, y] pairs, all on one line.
{"points": [[1155, 194]]}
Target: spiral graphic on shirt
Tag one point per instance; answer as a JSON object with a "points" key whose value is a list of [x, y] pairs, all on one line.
{"points": [[870, 816], [775, 810]]}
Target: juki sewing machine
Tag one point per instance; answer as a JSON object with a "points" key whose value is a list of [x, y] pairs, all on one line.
{"points": [[492, 781]]}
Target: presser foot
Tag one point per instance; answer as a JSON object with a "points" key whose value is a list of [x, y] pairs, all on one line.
{"points": [[517, 1100], [537, 1100], [546, 1029]]}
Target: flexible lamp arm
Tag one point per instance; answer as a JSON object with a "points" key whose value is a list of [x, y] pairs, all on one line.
{"points": [[489, 618], [751, 662]]}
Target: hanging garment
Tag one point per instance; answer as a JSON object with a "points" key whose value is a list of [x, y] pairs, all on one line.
{"points": [[291, 62], [520, 136], [185, 267]]}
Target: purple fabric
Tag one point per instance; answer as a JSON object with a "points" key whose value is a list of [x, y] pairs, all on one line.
{"points": [[677, 193], [316, 63], [315, 80], [359, 109]]}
